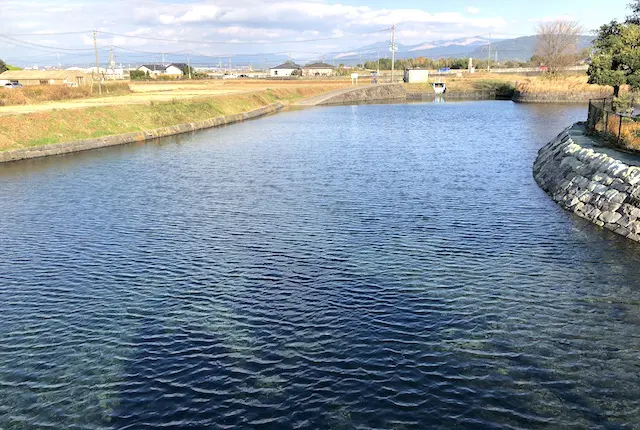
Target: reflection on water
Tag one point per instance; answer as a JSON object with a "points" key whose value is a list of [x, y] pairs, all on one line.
{"points": [[375, 266]]}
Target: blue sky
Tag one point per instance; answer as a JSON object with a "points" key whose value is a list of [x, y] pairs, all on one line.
{"points": [[239, 26]]}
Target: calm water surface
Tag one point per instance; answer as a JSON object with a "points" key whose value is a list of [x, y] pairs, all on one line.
{"points": [[370, 267]]}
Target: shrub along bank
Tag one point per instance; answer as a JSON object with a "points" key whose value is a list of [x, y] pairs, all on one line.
{"points": [[37, 129]]}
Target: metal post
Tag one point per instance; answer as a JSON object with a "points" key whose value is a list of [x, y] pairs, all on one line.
{"points": [[489, 55], [95, 48], [619, 127], [393, 50]]}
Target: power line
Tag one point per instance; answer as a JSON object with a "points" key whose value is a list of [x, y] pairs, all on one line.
{"points": [[47, 34], [148, 52], [243, 43], [55, 48]]}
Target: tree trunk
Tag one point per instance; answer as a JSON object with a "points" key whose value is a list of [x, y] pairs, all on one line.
{"points": [[616, 90]]}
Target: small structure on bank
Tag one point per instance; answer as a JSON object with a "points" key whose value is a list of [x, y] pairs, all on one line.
{"points": [[318, 69], [288, 68], [47, 77], [416, 76]]}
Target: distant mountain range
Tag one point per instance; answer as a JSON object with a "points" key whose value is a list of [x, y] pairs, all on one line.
{"points": [[521, 48]]}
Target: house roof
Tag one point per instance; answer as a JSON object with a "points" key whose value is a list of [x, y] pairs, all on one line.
{"points": [[158, 67], [42, 74], [319, 65], [161, 68], [288, 65]]}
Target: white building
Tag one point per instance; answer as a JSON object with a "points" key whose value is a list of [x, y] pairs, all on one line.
{"points": [[416, 76], [155, 70], [318, 69], [106, 73], [285, 69]]}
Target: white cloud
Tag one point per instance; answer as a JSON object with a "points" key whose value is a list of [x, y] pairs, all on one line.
{"points": [[554, 18], [473, 10], [265, 23]]}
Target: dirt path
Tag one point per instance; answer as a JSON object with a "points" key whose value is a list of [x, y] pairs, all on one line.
{"points": [[148, 92]]}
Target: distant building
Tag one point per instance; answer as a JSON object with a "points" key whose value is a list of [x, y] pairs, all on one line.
{"points": [[285, 69], [47, 77], [318, 69], [104, 73], [155, 70]]}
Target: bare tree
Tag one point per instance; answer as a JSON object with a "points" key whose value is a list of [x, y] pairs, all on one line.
{"points": [[557, 44]]}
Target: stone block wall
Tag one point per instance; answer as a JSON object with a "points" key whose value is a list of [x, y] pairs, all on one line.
{"points": [[590, 184]]}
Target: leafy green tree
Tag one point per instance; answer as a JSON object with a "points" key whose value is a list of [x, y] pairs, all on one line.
{"points": [[3, 66], [634, 18], [617, 58]]}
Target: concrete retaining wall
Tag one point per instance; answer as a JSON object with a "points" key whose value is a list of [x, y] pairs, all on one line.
{"points": [[567, 97], [368, 93], [590, 184], [119, 139], [454, 95]]}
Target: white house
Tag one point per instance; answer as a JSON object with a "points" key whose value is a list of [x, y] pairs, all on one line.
{"points": [[318, 69], [175, 69], [155, 70], [285, 69]]}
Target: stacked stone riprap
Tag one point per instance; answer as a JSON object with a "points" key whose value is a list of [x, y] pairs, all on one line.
{"points": [[591, 184]]}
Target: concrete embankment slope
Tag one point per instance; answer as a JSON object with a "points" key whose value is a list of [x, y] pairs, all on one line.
{"points": [[595, 183], [362, 93], [558, 97], [119, 139]]}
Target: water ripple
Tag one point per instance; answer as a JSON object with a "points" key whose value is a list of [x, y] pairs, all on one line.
{"points": [[287, 273]]}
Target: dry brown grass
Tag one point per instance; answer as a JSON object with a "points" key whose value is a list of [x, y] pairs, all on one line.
{"points": [[524, 84], [565, 84], [44, 93], [42, 128], [630, 134]]}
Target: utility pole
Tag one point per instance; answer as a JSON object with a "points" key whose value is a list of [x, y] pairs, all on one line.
{"points": [[112, 63], [393, 50], [163, 60], [189, 64], [95, 48], [489, 55]]}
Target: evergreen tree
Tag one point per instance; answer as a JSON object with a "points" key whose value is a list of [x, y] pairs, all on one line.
{"points": [[617, 56]]}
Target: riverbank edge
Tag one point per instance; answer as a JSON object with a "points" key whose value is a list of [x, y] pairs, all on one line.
{"points": [[589, 183], [556, 97], [140, 136]]}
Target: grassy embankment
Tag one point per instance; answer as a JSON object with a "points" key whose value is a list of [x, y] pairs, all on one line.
{"points": [[54, 126], [506, 84], [45, 93]]}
